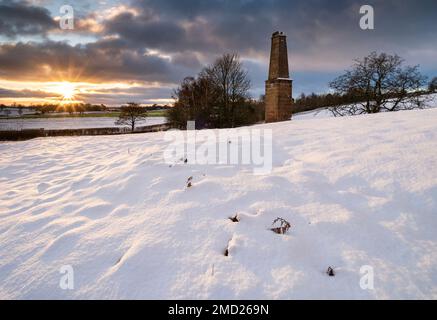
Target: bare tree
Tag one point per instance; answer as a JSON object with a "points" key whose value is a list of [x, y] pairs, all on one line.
{"points": [[380, 83], [432, 87], [217, 98], [131, 114], [232, 84]]}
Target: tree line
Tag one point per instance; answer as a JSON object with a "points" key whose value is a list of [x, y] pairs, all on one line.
{"points": [[53, 107], [219, 96]]}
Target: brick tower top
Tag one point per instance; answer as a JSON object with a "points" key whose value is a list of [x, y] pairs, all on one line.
{"points": [[279, 57], [278, 98]]}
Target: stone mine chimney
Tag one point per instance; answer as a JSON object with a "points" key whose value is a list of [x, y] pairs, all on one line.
{"points": [[278, 98]]}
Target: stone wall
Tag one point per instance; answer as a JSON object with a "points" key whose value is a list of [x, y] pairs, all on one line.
{"points": [[35, 133]]}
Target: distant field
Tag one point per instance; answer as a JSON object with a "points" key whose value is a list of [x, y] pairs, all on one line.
{"points": [[86, 115], [70, 123]]}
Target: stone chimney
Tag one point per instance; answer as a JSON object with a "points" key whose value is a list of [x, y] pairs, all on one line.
{"points": [[279, 85]]}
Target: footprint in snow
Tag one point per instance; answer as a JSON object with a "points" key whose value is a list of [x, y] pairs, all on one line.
{"points": [[42, 187]]}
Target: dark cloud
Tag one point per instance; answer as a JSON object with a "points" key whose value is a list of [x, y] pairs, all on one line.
{"points": [[19, 18], [110, 96], [144, 30], [8, 93], [326, 32], [107, 61]]}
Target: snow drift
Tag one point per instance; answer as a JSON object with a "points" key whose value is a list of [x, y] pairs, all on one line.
{"points": [[359, 191]]}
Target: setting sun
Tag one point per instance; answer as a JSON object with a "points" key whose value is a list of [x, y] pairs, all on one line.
{"points": [[67, 90]]}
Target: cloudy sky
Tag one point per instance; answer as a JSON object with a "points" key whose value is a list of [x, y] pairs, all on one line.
{"points": [[139, 50]]}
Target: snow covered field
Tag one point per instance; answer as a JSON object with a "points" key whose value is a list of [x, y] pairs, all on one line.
{"points": [[69, 123], [357, 191], [323, 113]]}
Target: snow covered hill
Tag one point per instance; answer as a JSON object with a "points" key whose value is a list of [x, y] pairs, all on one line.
{"points": [[322, 113], [359, 191]]}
